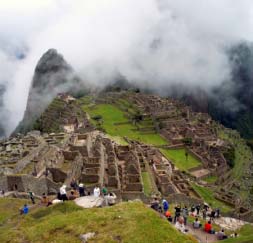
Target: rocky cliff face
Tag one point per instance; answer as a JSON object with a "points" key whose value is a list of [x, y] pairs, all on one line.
{"points": [[52, 75]]}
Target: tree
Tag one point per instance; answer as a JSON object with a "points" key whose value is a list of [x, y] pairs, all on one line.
{"points": [[187, 141]]}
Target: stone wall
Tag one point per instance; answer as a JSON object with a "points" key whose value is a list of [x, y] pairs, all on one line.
{"points": [[70, 155], [58, 175], [182, 199], [25, 183]]}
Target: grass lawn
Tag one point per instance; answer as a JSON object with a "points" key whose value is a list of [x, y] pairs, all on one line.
{"points": [[208, 196], [111, 115], [177, 156], [146, 183], [211, 179], [10, 207], [130, 222]]}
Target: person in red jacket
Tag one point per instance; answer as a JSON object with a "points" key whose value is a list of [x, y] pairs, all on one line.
{"points": [[208, 228]]}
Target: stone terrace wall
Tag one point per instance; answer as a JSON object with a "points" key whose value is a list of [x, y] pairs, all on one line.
{"points": [[183, 199], [27, 182]]}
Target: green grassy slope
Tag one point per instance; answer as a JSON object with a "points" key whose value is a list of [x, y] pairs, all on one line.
{"points": [[208, 197], [177, 156], [147, 183], [10, 207], [130, 222], [242, 162], [112, 116]]}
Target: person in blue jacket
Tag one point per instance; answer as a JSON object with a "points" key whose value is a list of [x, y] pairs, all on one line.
{"points": [[165, 205], [25, 209]]}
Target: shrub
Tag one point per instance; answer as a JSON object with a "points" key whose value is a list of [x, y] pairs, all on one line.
{"points": [[229, 155]]}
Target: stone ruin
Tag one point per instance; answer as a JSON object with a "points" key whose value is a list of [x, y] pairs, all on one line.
{"points": [[43, 162], [177, 122], [92, 159]]}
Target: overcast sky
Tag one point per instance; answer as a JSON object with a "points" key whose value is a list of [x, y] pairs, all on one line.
{"points": [[153, 42]]}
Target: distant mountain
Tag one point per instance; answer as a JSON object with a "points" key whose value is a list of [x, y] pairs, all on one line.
{"points": [[2, 113], [230, 103], [233, 104], [52, 75]]}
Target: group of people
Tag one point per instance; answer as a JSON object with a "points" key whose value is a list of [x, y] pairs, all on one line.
{"points": [[77, 190], [181, 217]]}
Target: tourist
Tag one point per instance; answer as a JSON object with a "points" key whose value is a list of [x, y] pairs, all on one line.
{"points": [[104, 191], [73, 184], [165, 205], [72, 195], [206, 207], [45, 201], [96, 191], [180, 225], [212, 215], [204, 212], [81, 190], [221, 235], [155, 204], [208, 228], [63, 193], [217, 212], [192, 210], [196, 224], [59, 196], [185, 214], [110, 199], [168, 216], [31, 196], [24, 210], [177, 213], [198, 209]]}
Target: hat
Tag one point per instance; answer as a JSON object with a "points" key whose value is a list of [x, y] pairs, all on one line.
{"points": [[81, 185]]}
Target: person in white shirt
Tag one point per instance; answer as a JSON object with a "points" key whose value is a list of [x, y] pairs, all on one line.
{"points": [[196, 224], [96, 191], [180, 225], [63, 193], [110, 199]]}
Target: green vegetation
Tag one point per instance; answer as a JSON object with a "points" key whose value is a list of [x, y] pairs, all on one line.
{"points": [[245, 235], [230, 156], [126, 222], [208, 196], [7, 211], [187, 141], [211, 179], [182, 160], [115, 123], [242, 153], [56, 114], [146, 183]]}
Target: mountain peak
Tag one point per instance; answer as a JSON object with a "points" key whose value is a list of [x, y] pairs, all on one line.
{"points": [[52, 75], [51, 61]]}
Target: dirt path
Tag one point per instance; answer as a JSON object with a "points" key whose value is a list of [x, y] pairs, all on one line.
{"points": [[201, 235]]}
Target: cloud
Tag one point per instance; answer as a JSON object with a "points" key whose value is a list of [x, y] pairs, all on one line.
{"points": [[153, 42]]}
